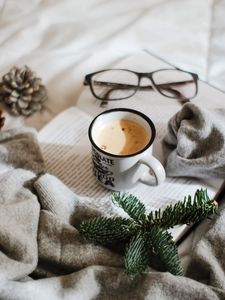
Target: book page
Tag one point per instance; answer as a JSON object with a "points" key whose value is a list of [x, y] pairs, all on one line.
{"points": [[156, 106], [67, 153], [67, 150], [150, 102]]}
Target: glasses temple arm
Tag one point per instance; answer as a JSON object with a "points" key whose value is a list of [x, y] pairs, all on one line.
{"points": [[130, 86], [164, 86], [178, 95]]}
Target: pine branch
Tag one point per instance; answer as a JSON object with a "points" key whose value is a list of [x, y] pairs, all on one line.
{"points": [[184, 212], [106, 231], [147, 234], [137, 255], [162, 244], [131, 205]]}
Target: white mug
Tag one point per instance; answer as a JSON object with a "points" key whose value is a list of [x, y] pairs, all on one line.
{"points": [[118, 171]]}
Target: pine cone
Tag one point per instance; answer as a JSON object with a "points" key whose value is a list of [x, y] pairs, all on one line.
{"points": [[22, 91], [2, 120]]}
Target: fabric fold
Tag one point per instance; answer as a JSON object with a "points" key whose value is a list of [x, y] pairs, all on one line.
{"points": [[42, 255], [195, 143]]}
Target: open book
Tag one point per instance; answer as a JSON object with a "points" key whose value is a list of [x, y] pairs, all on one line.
{"points": [[67, 150]]}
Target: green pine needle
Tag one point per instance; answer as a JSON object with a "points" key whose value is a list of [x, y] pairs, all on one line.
{"points": [[131, 205], [184, 212], [147, 235], [105, 231], [162, 244], [137, 255]]}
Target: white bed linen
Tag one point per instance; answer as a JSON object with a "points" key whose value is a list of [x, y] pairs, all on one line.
{"points": [[64, 40]]}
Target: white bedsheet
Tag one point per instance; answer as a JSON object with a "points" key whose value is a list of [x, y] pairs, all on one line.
{"points": [[64, 40]]}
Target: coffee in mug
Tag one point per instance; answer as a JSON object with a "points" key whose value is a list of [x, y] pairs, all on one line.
{"points": [[121, 145], [122, 137]]}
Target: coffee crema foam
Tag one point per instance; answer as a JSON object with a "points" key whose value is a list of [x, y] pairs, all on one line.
{"points": [[122, 137]]}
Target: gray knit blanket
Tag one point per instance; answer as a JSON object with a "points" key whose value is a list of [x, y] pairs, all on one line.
{"points": [[43, 257]]}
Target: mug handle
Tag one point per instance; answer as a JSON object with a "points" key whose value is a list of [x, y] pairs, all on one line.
{"points": [[156, 167]]}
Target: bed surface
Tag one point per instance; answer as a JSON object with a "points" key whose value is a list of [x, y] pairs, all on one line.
{"points": [[64, 40]]}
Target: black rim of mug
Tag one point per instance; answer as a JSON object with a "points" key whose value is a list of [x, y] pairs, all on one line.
{"points": [[147, 119]]}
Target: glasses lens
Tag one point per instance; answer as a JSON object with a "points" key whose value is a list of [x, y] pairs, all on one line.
{"points": [[114, 84], [175, 83]]}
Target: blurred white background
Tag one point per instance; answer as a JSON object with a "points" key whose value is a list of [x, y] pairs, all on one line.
{"points": [[62, 40]]}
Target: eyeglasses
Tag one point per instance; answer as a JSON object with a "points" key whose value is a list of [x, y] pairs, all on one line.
{"points": [[118, 84]]}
